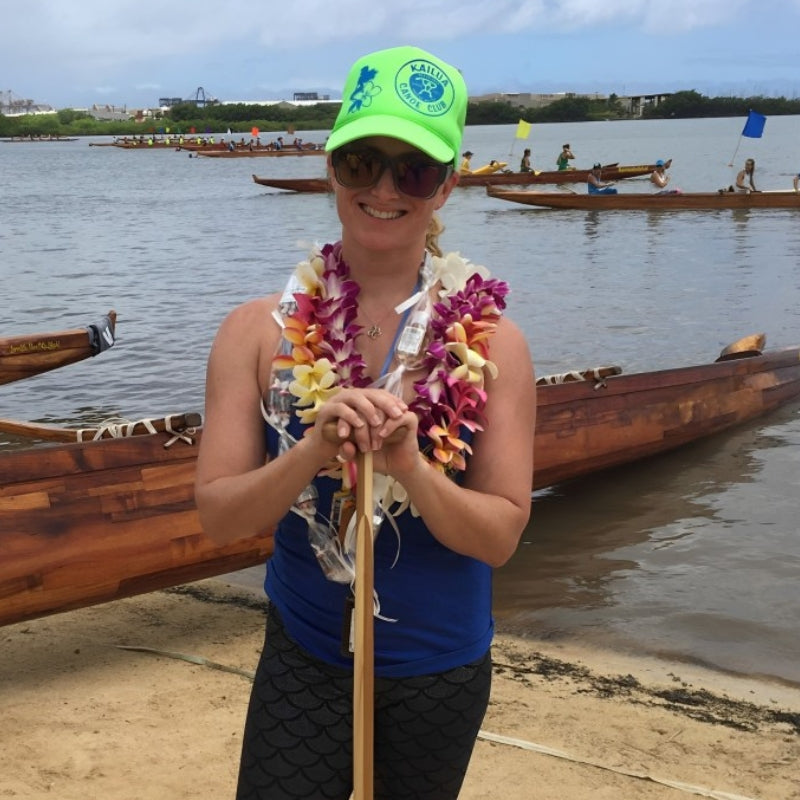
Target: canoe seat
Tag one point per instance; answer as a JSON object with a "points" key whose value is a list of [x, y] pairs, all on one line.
{"points": [[595, 374]]}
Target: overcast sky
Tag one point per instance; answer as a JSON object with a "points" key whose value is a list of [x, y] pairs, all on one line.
{"points": [[73, 53]]}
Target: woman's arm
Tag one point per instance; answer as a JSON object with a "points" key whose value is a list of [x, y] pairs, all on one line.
{"points": [[239, 492]]}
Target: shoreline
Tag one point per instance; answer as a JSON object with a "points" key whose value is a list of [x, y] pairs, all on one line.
{"points": [[85, 717]]}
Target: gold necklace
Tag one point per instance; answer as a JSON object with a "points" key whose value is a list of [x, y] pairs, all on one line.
{"points": [[375, 330]]}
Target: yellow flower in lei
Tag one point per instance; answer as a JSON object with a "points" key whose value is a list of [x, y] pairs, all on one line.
{"points": [[449, 398], [313, 384]]}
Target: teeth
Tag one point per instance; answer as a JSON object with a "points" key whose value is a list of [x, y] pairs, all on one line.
{"points": [[373, 212]]}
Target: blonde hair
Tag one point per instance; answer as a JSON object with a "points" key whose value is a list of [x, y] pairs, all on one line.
{"points": [[435, 228]]}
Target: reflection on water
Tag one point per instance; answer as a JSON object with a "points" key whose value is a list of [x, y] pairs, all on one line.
{"points": [[688, 554]]}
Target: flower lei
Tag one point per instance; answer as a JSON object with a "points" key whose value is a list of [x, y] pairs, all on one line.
{"points": [[451, 397]]}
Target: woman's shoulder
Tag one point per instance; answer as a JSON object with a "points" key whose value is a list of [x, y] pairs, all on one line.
{"points": [[249, 318], [509, 337]]}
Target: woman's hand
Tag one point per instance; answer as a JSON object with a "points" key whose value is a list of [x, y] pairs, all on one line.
{"points": [[364, 419]]}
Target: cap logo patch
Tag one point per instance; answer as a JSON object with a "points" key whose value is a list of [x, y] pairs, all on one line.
{"points": [[364, 91], [422, 86]]}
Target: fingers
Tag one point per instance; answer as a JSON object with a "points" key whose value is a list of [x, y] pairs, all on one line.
{"points": [[364, 416]]}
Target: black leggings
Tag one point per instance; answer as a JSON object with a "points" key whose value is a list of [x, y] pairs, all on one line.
{"points": [[298, 737]]}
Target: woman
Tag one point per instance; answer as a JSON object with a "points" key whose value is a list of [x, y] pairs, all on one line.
{"points": [[745, 180], [525, 161], [383, 337], [564, 157]]}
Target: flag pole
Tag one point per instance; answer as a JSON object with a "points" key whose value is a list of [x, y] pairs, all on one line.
{"points": [[730, 163]]}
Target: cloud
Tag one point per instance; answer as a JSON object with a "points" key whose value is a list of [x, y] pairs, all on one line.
{"points": [[236, 48], [103, 33]]}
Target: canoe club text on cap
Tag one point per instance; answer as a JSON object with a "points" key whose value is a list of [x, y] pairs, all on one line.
{"points": [[424, 87]]}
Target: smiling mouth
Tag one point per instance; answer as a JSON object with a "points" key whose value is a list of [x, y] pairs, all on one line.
{"points": [[374, 212]]}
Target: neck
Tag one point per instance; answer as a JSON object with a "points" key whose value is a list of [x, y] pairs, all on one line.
{"points": [[383, 272]]}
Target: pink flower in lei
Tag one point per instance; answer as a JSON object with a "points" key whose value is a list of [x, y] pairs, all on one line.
{"points": [[451, 396]]}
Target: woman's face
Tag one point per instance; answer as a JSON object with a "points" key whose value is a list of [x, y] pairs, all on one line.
{"points": [[382, 216]]}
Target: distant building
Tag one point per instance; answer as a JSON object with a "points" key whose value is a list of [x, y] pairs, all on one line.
{"points": [[13, 106], [283, 103], [312, 97], [109, 113], [634, 104]]}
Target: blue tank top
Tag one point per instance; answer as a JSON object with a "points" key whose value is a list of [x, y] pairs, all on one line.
{"points": [[441, 600]]}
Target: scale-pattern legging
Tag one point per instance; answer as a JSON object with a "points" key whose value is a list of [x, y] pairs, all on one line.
{"points": [[299, 729]]}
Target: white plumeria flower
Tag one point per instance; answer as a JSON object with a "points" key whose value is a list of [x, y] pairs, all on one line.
{"points": [[309, 273], [453, 271]]}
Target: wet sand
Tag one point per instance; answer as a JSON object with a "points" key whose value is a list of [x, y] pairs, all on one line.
{"points": [[83, 717]]}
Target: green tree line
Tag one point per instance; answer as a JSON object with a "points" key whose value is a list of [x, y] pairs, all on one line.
{"points": [[241, 118]]}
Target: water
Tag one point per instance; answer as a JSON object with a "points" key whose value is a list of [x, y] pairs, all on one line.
{"points": [[695, 554]]}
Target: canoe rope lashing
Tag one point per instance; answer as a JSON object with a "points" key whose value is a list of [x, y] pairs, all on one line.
{"points": [[118, 428], [598, 374]]}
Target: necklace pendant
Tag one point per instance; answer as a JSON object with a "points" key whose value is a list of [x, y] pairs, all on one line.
{"points": [[374, 331]]}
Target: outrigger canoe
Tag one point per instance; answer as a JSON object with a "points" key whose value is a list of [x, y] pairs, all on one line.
{"points": [[93, 515], [246, 152], [639, 201], [26, 355], [613, 172]]}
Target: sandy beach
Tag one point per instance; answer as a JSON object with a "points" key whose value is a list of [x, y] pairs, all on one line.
{"points": [[83, 717]]}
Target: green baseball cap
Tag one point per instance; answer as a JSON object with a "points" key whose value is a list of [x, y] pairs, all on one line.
{"points": [[405, 93]]}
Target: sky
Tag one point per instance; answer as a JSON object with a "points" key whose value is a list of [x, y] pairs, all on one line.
{"points": [[130, 53]]}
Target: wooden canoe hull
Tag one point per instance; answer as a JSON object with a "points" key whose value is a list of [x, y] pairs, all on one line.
{"points": [[260, 152], [614, 172], [685, 201], [91, 522], [86, 523], [585, 427], [24, 356]]}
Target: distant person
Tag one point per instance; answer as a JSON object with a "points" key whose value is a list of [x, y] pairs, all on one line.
{"points": [[745, 180], [659, 178], [796, 182], [525, 163], [564, 157], [595, 183], [465, 167]]}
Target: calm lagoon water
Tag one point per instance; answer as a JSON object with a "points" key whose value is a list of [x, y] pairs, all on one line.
{"points": [[695, 554]]}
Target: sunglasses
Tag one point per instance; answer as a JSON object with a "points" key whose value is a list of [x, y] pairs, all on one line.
{"points": [[413, 174]]}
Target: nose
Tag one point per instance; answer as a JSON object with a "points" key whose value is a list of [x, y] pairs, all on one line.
{"points": [[385, 185]]}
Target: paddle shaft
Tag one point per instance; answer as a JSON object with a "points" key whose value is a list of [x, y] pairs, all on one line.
{"points": [[363, 623], [363, 635]]}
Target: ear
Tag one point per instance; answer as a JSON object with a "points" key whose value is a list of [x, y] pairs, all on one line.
{"points": [[447, 187]]}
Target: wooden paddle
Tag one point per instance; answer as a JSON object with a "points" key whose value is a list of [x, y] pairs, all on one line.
{"points": [[364, 635], [363, 626]]}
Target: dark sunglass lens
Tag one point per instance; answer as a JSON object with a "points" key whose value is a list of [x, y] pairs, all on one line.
{"points": [[419, 178], [356, 169]]}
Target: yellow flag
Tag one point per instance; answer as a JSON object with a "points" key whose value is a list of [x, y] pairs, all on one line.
{"points": [[523, 129]]}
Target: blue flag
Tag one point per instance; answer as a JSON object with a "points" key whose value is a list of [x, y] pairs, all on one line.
{"points": [[754, 126]]}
